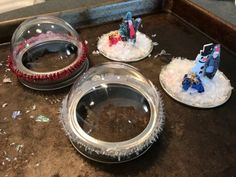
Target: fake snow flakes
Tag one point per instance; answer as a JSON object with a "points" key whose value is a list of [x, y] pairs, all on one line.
{"points": [[19, 147], [42, 118], [15, 114], [34, 107], [217, 90], [154, 35], [155, 43], [6, 80], [95, 52], [4, 105], [162, 53]]}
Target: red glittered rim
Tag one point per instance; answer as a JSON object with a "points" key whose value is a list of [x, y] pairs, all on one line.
{"points": [[54, 75]]}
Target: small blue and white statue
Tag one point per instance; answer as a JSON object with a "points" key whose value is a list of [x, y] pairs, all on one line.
{"points": [[206, 65]]}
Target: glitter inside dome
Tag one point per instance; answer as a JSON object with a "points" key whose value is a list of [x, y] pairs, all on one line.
{"points": [[217, 90], [46, 53]]}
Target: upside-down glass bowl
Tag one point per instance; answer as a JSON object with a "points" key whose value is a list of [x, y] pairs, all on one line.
{"points": [[113, 113], [47, 53]]}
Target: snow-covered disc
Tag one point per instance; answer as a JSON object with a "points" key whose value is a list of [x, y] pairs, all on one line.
{"points": [[217, 91], [125, 51]]}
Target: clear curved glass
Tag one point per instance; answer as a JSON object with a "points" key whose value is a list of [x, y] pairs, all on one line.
{"points": [[113, 113], [44, 44], [113, 102]]}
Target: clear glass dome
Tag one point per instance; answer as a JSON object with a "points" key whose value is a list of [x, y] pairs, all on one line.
{"points": [[113, 112], [112, 106], [46, 48]]}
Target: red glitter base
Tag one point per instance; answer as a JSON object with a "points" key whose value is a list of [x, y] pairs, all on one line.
{"points": [[53, 76]]}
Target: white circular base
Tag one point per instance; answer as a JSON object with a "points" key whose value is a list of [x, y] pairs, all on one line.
{"points": [[217, 91], [126, 51]]}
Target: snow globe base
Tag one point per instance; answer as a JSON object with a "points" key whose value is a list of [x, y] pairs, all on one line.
{"points": [[125, 51], [217, 91]]}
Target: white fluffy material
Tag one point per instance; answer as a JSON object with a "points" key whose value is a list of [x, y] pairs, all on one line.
{"points": [[126, 51], [217, 90]]}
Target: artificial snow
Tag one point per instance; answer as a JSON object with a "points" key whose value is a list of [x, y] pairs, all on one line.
{"points": [[217, 90], [126, 51], [162, 53], [95, 52], [4, 105], [42, 118], [6, 80], [15, 114], [155, 43], [154, 35]]}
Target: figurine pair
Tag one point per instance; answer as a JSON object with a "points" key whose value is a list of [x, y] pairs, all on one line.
{"points": [[127, 30], [206, 65]]}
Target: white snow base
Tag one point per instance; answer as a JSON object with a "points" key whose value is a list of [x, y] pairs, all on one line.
{"points": [[217, 90], [126, 51]]}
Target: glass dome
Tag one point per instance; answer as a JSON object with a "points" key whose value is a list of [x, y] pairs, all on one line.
{"points": [[112, 113], [46, 53]]}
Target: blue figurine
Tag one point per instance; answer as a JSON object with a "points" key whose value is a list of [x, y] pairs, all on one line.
{"points": [[192, 81], [207, 61], [212, 64], [129, 27], [206, 65]]}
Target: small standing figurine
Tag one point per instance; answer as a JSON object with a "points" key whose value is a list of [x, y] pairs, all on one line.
{"points": [[126, 44], [192, 80], [114, 38], [129, 27], [206, 65]]}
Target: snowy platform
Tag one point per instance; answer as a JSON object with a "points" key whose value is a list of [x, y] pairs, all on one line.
{"points": [[217, 90], [126, 51]]}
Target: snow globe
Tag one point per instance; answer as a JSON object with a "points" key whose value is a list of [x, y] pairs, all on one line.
{"points": [[47, 53], [197, 83], [126, 44], [113, 113]]}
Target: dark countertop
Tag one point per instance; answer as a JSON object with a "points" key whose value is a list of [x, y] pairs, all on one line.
{"points": [[53, 6], [225, 9], [195, 142], [78, 13]]}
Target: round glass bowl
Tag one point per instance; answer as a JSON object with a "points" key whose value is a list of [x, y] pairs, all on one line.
{"points": [[47, 54], [113, 113]]}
